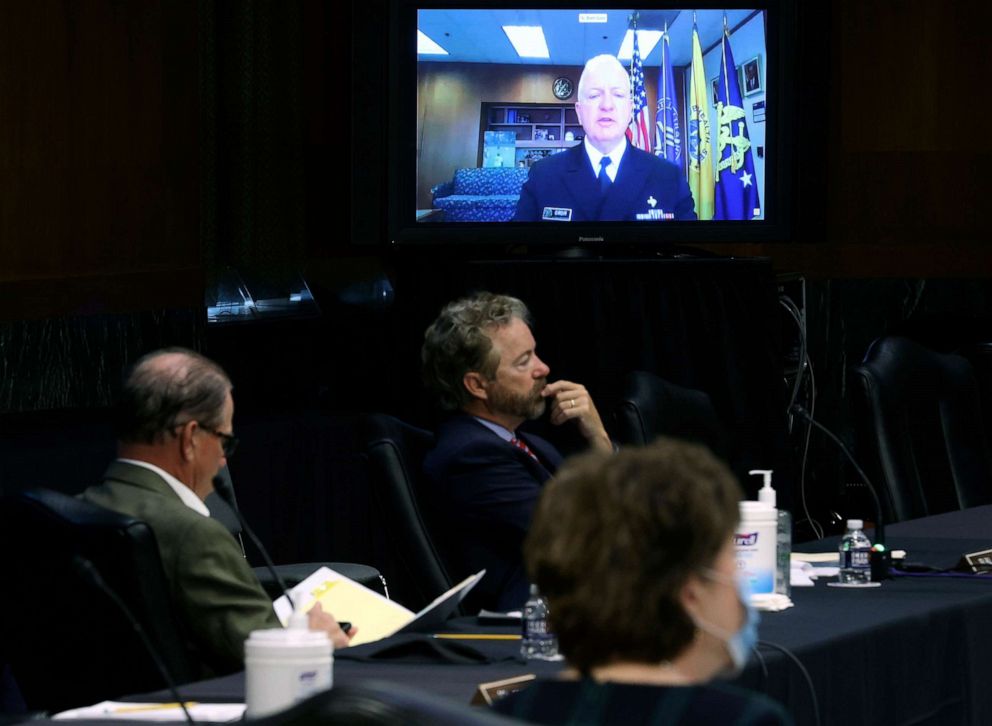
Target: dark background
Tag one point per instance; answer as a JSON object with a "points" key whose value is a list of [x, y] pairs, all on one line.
{"points": [[146, 147]]}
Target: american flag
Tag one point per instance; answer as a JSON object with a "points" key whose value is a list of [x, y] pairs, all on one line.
{"points": [[637, 132]]}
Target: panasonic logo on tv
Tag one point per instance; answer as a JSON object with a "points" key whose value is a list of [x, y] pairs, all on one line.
{"points": [[591, 239]]}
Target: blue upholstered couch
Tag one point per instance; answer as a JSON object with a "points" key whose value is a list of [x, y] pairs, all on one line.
{"points": [[489, 194]]}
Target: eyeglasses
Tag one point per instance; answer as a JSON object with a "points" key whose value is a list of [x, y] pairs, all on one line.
{"points": [[228, 442]]}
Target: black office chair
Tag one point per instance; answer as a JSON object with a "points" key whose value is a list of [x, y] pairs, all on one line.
{"points": [[381, 703], [979, 354], [67, 642], [396, 451], [920, 429], [653, 407], [294, 573]]}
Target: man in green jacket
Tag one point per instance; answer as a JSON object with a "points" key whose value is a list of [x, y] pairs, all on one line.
{"points": [[175, 432]]}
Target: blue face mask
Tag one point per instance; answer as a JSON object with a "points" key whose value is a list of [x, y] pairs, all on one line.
{"points": [[740, 643]]}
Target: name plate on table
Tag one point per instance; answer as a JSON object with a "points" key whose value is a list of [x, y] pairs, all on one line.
{"points": [[977, 562], [488, 693]]}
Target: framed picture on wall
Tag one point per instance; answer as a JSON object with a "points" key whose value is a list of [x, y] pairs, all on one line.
{"points": [[752, 76], [715, 83]]}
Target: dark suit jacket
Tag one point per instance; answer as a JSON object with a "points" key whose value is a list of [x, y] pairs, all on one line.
{"points": [[485, 490], [218, 598], [566, 182]]}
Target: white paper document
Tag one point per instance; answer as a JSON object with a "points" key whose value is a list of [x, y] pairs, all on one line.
{"points": [[375, 616], [807, 567], [216, 712]]}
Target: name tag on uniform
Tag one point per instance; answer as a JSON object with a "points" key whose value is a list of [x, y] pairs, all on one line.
{"points": [[557, 214], [654, 215]]}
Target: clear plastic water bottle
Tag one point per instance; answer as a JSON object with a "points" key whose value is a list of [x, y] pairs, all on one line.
{"points": [[855, 555], [537, 640]]}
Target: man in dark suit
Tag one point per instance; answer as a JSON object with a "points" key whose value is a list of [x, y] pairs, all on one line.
{"points": [[175, 432], [480, 359], [604, 178]]}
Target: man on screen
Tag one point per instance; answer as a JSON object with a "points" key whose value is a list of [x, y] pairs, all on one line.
{"points": [[604, 178]]}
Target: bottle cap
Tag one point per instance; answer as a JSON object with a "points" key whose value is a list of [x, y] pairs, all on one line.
{"points": [[855, 524]]}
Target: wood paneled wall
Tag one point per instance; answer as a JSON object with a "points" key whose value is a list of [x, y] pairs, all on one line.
{"points": [[913, 162], [894, 168], [99, 192]]}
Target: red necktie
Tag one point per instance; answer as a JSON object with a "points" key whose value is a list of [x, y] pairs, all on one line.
{"points": [[523, 447]]}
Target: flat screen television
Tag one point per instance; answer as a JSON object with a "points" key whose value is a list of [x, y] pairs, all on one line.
{"points": [[495, 134]]}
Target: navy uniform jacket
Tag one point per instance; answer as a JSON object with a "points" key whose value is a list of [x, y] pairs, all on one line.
{"points": [[563, 187], [485, 490]]}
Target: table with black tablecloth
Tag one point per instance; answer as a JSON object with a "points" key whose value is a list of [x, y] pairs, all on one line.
{"points": [[913, 651]]}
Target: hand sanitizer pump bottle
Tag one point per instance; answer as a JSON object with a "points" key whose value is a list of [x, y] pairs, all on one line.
{"points": [[783, 542]]}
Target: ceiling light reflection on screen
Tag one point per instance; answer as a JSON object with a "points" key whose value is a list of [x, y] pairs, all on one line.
{"points": [[527, 40]]}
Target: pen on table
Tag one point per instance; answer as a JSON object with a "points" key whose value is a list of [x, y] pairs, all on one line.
{"points": [[476, 636]]}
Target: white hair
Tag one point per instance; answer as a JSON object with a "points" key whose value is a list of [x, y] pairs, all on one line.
{"points": [[596, 62]]}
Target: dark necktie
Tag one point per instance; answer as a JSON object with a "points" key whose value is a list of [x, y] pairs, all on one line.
{"points": [[604, 179], [523, 447]]}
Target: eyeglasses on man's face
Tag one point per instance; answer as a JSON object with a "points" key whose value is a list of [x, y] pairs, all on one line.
{"points": [[228, 442]]}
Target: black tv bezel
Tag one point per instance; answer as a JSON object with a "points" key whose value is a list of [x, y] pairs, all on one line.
{"points": [[403, 231]]}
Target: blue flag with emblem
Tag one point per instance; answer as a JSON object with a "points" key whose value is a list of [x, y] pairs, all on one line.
{"points": [[736, 185], [668, 138]]}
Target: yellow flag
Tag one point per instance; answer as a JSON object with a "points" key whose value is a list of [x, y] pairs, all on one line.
{"points": [[700, 146]]}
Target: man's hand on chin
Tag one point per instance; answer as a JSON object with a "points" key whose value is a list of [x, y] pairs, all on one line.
{"points": [[572, 401]]}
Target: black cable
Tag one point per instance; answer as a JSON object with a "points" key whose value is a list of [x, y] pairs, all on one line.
{"points": [[816, 527], [793, 310], [796, 314], [814, 701], [226, 492], [804, 364], [764, 667], [879, 525], [88, 572]]}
